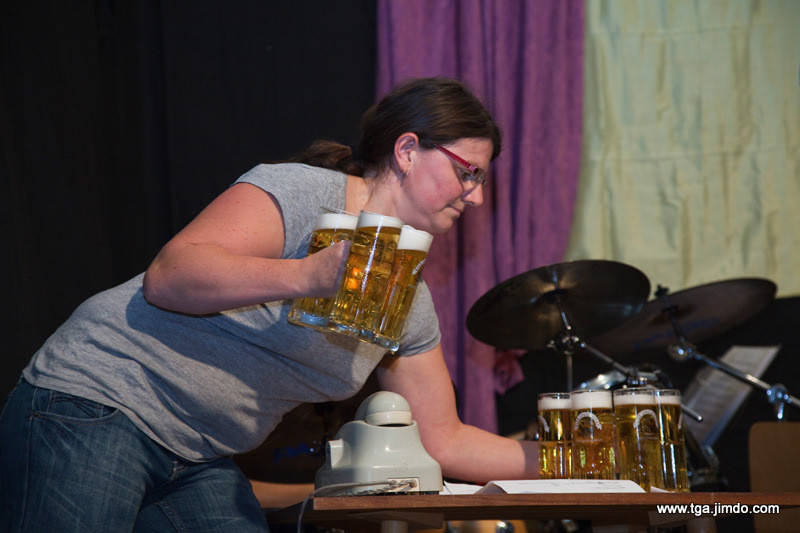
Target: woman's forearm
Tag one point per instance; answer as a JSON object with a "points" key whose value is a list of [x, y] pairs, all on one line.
{"points": [[204, 278], [478, 456]]}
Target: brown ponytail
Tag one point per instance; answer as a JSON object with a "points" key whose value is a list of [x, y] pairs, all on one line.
{"points": [[332, 155]]}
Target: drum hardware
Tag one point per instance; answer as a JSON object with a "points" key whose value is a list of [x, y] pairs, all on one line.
{"points": [[646, 375], [702, 465], [567, 342], [607, 381], [641, 379], [777, 394], [681, 350]]}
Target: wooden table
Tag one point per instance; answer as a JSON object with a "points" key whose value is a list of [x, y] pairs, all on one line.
{"points": [[632, 512]]}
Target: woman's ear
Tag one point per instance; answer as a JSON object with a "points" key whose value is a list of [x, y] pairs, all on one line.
{"points": [[404, 146]]}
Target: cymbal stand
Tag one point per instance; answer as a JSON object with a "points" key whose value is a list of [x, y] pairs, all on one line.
{"points": [[567, 341], [682, 350]]}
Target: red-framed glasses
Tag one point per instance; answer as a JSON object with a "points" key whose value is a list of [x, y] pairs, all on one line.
{"points": [[470, 172]]}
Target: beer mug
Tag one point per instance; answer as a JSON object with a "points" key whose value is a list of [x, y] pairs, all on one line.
{"points": [[412, 249], [638, 441], [592, 425], [331, 226], [367, 272], [673, 446], [555, 450]]}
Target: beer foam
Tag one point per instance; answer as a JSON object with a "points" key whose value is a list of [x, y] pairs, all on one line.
{"points": [[598, 399], [551, 404], [336, 221], [414, 239], [367, 219], [634, 398], [668, 399]]}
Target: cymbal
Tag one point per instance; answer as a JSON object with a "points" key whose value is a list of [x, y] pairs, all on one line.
{"points": [[523, 311], [702, 313]]}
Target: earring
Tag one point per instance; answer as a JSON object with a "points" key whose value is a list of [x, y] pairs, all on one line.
{"points": [[405, 172]]}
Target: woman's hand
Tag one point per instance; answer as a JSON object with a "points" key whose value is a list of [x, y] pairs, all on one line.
{"points": [[326, 269]]}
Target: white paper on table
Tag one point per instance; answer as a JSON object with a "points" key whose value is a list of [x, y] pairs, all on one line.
{"points": [[545, 486], [460, 488], [717, 396]]}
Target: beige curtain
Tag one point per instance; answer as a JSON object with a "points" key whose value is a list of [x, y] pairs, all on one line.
{"points": [[691, 145]]}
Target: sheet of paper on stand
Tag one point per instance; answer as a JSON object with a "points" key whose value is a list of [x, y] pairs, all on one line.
{"points": [[545, 486], [717, 396]]}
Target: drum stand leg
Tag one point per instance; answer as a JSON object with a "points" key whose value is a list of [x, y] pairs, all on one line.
{"points": [[568, 358]]}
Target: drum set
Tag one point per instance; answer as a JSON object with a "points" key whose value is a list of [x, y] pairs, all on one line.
{"points": [[601, 308]]}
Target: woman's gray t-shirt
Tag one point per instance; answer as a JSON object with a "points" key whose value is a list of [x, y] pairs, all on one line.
{"points": [[216, 385]]}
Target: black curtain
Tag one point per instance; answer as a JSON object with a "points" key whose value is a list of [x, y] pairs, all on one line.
{"points": [[120, 120]]}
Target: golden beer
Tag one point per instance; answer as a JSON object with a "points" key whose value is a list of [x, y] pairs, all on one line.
{"points": [[366, 275], [412, 249], [638, 440], [555, 445], [673, 446], [331, 226], [592, 424]]}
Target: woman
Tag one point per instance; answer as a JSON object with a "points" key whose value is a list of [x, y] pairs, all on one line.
{"points": [[129, 413]]}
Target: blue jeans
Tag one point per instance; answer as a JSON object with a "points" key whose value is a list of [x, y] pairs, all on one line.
{"points": [[70, 464]]}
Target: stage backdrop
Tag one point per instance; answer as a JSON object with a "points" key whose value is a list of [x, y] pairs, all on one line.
{"points": [[691, 150]]}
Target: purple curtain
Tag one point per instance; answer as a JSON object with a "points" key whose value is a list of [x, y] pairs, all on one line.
{"points": [[524, 58]]}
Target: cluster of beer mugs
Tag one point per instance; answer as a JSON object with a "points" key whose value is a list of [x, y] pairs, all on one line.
{"points": [[380, 277], [633, 433]]}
